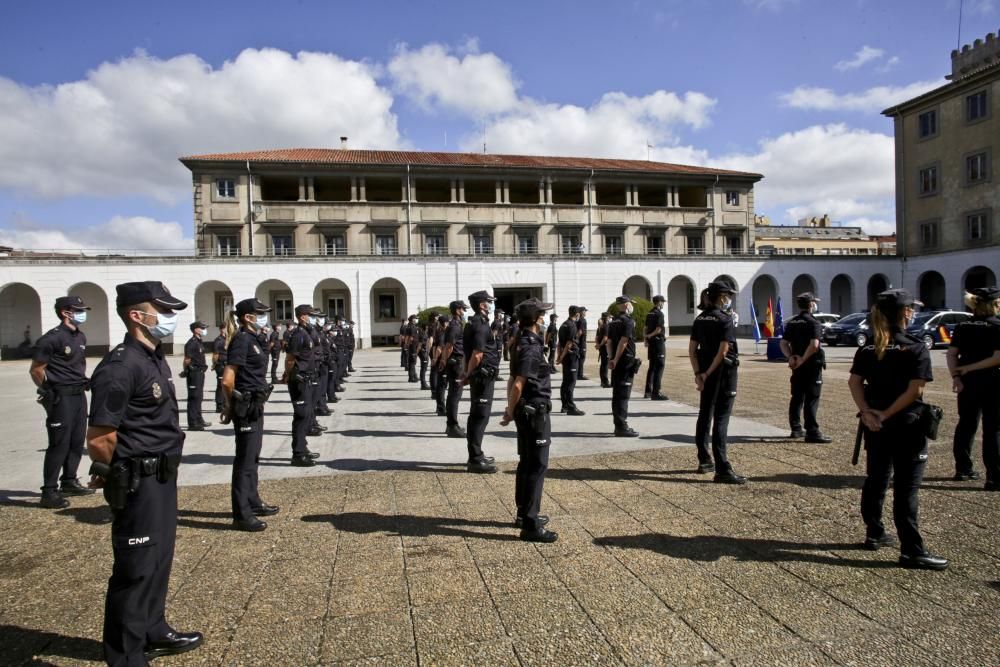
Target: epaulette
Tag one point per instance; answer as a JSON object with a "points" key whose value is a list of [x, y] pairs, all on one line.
{"points": [[117, 354]]}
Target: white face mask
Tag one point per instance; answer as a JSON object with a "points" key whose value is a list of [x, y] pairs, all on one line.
{"points": [[165, 324], [199, 332], [629, 308], [312, 321], [262, 320], [78, 317], [727, 305], [321, 321]]}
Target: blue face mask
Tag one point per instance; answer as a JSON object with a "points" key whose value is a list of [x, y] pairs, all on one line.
{"points": [[79, 317], [261, 321], [312, 321], [164, 327]]}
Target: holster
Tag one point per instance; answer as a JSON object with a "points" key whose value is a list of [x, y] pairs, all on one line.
{"points": [[117, 483], [47, 398], [930, 419], [536, 411], [241, 404]]}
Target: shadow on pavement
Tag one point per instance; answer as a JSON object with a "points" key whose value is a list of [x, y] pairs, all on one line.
{"points": [[832, 482], [20, 499], [92, 515], [18, 644], [408, 525]]}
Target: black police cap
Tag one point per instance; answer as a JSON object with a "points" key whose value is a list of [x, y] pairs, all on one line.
{"points": [[721, 287], [455, 305], [247, 306], [621, 300], [477, 298], [806, 298], [305, 309], [198, 324], [71, 303], [151, 291], [896, 298], [442, 319], [581, 309], [411, 318], [532, 308], [986, 293], [659, 298], [573, 310]]}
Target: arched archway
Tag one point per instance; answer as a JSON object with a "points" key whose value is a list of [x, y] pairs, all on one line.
{"points": [[333, 297], [20, 320], [98, 326], [638, 287], [765, 288], [931, 289], [978, 276], [213, 300], [681, 301], [876, 284], [388, 299], [803, 283], [278, 296], [841, 294]]}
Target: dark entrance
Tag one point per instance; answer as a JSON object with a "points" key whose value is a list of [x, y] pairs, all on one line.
{"points": [[509, 297]]}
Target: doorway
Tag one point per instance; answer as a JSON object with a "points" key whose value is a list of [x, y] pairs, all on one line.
{"points": [[509, 297]]}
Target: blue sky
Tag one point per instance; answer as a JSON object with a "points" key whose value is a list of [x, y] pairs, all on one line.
{"points": [[99, 99]]}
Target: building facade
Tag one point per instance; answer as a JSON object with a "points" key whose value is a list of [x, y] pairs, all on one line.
{"points": [[947, 195], [812, 236]]}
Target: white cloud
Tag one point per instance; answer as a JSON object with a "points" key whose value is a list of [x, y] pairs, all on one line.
{"points": [[888, 64], [863, 56], [770, 5], [120, 130], [476, 84], [871, 100], [118, 233]]}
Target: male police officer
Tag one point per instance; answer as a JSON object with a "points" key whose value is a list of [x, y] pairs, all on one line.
{"points": [[135, 441], [801, 344], [623, 364], [452, 363], [274, 349], [568, 355], [551, 338], [58, 369], [600, 344], [655, 340], [300, 371], [581, 342], [194, 372], [219, 358], [351, 344], [412, 336], [439, 381], [482, 354]]}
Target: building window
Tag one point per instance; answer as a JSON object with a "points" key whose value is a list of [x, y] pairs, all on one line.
{"points": [[977, 168], [387, 306], [434, 244], [336, 305], [975, 106], [227, 246], [225, 188], [613, 244], [929, 234], [695, 244], [283, 309], [734, 245], [282, 244], [929, 180], [527, 243], [766, 249], [385, 244], [732, 198], [482, 242], [977, 227], [569, 243], [928, 124], [334, 244], [655, 245]]}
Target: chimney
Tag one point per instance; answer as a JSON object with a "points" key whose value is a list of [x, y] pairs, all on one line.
{"points": [[343, 143]]}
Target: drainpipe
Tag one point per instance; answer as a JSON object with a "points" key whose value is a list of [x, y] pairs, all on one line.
{"points": [[249, 210], [409, 197], [590, 212], [714, 222]]}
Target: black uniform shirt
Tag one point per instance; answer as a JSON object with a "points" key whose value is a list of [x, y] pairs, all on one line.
{"points": [[529, 361], [602, 331], [412, 331], [301, 346], [977, 339], [64, 352], [285, 337], [567, 334], [194, 349], [551, 333], [710, 329], [349, 334], [654, 320], [800, 331], [325, 349], [421, 337], [250, 359], [132, 392], [453, 334], [274, 344], [581, 330], [478, 337], [905, 359], [219, 348], [622, 326]]}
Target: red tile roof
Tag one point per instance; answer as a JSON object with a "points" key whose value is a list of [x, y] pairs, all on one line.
{"points": [[423, 158]]}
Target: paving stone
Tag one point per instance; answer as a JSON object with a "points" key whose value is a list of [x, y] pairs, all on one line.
{"points": [[366, 636], [456, 623]]}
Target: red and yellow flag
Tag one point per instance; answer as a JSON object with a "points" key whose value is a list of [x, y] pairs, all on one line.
{"points": [[768, 328]]}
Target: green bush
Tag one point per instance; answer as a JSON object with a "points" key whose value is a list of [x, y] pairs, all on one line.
{"points": [[642, 308], [425, 315]]}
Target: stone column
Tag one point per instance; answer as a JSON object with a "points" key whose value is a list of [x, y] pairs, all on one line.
{"points": [[586, 194], [361, 188], [628, 195], [461, 191], [454, 190], [302, 188], [635, 195], [354, 188], [499, 190], [403, 190], [506, 192], [548, 191], [311, 189], [541, 192]]}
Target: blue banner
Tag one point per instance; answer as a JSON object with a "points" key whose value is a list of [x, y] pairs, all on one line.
{"points": [[779, 321], [756, 324]]}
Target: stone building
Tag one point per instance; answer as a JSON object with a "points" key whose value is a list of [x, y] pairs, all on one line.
{"points": [[812, 236]]}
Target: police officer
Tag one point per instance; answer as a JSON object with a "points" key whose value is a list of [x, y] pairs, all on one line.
{"points": [[245, 385], [482, 365], [551, 339], [887, 382], [600, 344], [439, 382], [323, 364], [351, 345], [135, 441], [412, 336], [802, 346], [452, 364], [581, 342], [569, 356], [335, 337], [973, 360], [402, 343], [58, 369], [194, 372], [655, 335], [274, 349], [623, 364], [529, 403], [300, 373], [714, 359], [218, 366], [423, 353]]}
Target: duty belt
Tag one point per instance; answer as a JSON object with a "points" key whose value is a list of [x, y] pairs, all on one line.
{"points": [[163, 465], [70, 389]]}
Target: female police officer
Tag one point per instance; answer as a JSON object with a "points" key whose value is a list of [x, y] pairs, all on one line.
{"points": [[246, 389], [529, 403], [887, 382], [973, 359]]}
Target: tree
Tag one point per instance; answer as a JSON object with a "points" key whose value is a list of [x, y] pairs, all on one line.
{"points": [[639, 312], [425, 315]]}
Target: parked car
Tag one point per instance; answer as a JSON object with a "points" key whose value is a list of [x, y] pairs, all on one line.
{"points": [[826, 319], [849, 330], [935, 327]]}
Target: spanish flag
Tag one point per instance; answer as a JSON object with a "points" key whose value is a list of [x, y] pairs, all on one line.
{"points": [[769, 320]]}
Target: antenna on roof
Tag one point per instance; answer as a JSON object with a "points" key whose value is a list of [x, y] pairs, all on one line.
{"points": [[648, 146], [958, 44]]}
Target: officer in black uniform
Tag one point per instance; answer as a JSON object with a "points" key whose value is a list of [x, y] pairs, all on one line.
{"points": [[351, 346], [453, 360], [601, 345], [439, 379], [581, 342], [59, 370], [247, 390], [569, 356], [887, 382], [529, 403], [655, 335], [482, 366], [623, 364], [194, 372], [412, 336], [715, 361], [974, 362], [218, 366], [274, 350], [323, 363], [135, 441], [423, 353], [802, 346], [402, 344], [552, 339], [300, 373], [335, 338]]}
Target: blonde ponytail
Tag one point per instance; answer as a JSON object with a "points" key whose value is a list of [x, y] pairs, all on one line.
{"points": [[232, 326], [880, 328]]}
